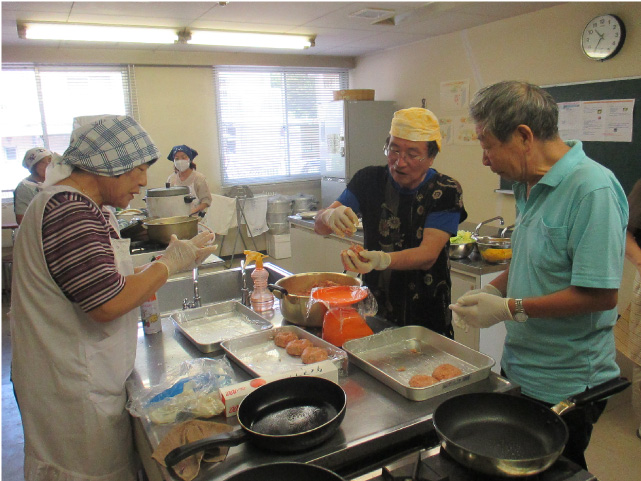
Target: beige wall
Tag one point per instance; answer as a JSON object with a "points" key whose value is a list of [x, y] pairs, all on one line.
{"points": [[541, 47], [176, 100], [177, 103]]}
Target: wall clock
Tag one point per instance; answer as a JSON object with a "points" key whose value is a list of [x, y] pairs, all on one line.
{"points": [[603, 37]]}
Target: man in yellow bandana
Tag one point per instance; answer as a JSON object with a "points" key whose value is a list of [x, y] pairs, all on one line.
{"points": [[409, 211]]}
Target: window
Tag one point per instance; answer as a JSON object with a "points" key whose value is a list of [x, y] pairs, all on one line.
{"points": [[269, 121], [39, 103]]}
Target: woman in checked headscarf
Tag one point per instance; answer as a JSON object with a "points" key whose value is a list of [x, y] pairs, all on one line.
{"points": [[409, 213], [74, 316]]}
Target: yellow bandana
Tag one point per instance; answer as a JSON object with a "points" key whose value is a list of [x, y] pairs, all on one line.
{"points": [[416, 124]]}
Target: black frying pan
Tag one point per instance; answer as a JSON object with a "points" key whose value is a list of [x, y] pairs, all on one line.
{"points": [[287, 415], [286, 472], [500, 434]]}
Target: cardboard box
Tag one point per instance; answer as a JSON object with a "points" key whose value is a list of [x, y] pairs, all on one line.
{"points": [[231, 396]]}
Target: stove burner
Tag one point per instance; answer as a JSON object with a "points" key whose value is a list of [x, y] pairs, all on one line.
{"points": [[437, 465]]}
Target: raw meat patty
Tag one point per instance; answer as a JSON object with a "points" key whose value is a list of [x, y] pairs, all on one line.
{"points": [[422, 380], [313, 354], [446, 371], [296, 348], [284, 337]]}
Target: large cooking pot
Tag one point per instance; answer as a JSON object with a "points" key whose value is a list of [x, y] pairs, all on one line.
{"points": [[303, 203], [504, 435], [160, 230], [169, 201], [293, 293], [284, 416]]}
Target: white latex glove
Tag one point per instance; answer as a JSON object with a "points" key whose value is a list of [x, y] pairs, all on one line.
{"points": [[489, 288], [376, 260], [342, 220], [482, 309], [183, 255]]}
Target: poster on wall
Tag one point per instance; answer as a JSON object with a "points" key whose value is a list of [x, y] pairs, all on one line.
{"points": [[458, 130], [455, 95], [597, 120]]}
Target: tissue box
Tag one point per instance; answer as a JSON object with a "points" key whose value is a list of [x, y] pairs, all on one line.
{"points": [[231, 396]]}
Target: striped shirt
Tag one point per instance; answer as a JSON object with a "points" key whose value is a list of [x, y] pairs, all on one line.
{"points": [[75, 237]]}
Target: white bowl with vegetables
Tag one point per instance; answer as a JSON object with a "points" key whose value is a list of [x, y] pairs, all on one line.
{"points": [[461, 245]]}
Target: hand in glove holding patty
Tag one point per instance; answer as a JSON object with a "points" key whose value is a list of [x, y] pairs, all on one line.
{"points": [[183, 255], [482, 309], [342, 220], [365, 261]]}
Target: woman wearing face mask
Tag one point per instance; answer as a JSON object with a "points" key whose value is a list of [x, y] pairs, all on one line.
{"points": [[185, 175]]}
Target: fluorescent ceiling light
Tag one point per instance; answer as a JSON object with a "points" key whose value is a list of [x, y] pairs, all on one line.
{"points": [[97, 33], [248, 39]]}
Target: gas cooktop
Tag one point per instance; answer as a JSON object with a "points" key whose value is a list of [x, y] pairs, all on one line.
{"points": [[437, 465]]}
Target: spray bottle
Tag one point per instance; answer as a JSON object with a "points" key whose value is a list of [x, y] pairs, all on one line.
{"points": [[261, 297]]}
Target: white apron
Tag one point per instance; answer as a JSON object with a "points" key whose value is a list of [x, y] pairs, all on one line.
{"points": [[69, 371]]}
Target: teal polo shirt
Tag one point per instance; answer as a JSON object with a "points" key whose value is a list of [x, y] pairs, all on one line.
{"points": [[569, 232]]}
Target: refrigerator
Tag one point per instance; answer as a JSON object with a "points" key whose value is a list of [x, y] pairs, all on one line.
{"points": [[353, 134]]}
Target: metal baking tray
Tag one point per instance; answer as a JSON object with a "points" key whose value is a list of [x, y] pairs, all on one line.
{"points": [[393, 356], [206, 327], [259, 356]]}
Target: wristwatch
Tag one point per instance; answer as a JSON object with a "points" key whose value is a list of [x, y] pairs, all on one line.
{"points": [[519, 312]]}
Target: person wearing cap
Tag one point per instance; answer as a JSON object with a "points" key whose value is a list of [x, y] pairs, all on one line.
{"points": [[74, 305], [409, 212], [558, 296], [185, 175], [35, 161]]}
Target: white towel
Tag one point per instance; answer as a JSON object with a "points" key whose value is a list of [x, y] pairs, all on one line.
{"points": [[221, 214], [256, 214]]}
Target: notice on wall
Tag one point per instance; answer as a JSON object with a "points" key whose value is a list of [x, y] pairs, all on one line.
{"points": [[597, 120], [458, 130], [455, 95]]}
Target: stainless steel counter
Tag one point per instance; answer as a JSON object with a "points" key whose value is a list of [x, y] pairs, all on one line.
{"points": [[474, 264], [379, 424], [309, 224]]}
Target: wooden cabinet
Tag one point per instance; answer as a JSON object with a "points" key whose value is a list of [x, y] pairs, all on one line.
{"points": [[315, 253]]}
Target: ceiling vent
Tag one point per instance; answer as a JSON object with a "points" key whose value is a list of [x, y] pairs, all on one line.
{"points": [[373, 13]]}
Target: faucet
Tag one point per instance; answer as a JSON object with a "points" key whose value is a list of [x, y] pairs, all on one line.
{"points": [[509, 227], [499, 218], [244, 292], [196, 301]]}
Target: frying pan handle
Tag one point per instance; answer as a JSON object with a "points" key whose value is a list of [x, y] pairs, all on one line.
{"points": [[232, 438], [278, 291], [597, 393], [600, 392]]}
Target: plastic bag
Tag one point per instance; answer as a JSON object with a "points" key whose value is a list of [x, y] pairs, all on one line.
{"points": [[346, 309], [356, 297], [188, 391]]}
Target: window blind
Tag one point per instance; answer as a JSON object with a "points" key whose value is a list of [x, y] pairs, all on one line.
{"points": [[269, 121], [39, 103]]}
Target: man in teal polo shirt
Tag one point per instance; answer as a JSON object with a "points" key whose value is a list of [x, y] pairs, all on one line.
{"points": [[559, 293]]}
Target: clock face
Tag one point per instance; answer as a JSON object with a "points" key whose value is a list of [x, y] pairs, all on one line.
{"points": [[603, 37]]}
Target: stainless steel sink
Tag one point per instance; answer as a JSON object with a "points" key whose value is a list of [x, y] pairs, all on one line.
{"points": [[214, 287]]}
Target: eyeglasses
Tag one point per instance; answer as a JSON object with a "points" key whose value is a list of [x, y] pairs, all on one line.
{"points": [[395, 155]]}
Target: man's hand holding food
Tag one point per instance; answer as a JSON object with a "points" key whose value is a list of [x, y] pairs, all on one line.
{"points": [[341, 219]]}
